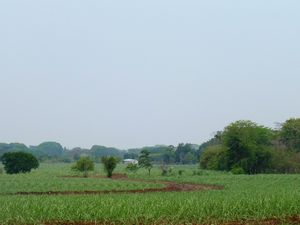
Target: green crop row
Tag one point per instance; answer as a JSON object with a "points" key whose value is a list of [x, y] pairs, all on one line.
{"points": [[243, 197]]}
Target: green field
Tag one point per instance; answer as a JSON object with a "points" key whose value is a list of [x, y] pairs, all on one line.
{"points": [[244, 197]]}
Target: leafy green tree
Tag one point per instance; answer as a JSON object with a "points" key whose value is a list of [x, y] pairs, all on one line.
{"points": [[169, 155], [246, 144], [84, 164], [145, 161], [52, 149], [132, 167], [13, 147], [109, 163], [185, 154], [19, 162], [290, 134], [214, 158], [285, 161]]}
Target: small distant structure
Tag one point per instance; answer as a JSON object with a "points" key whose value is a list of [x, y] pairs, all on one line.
{"points": [[130, 161]]}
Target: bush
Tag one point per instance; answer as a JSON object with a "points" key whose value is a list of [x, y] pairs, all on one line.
{"points": [[237, 170], [213, 158], [1, 171], [198, 173], [132, 168], [84, 164], [164, 170], [110, 164], [180, 172], [19, 162]]}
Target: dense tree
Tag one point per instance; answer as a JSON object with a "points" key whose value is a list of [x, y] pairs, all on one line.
{"points": [[13, 147], [84, 164], [246, 144], [290, 134], [285, 161], [109, 163], [145, 161], [19, 162], [185, 154], [97, 152], [50, 149], [214, 158], [130, 155], [169, 155], [133, 168]]}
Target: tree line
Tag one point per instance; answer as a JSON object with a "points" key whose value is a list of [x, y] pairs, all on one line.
{"points": [[246, 147], [54, 152], [241, 147]]}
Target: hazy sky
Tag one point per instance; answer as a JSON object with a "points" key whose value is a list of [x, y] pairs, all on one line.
{"points": [[135, 73]]}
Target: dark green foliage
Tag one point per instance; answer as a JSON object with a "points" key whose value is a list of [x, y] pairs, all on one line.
{"points": [[237, 170], [84, 164], [214, 158], [98, 152], [133, 168], [290, 134], [109, 163], [52, 149], [130, 156], [284, 161], [13, 147], [216, 140], [19, 162], [185, 154], [243, 147], [180, 172], [145, 161], [164, 169], [246, 144]]}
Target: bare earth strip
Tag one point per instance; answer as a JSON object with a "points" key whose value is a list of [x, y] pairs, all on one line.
{"points": [[169, 187], [294, 220]]}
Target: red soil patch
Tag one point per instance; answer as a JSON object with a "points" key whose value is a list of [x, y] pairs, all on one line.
{"points": [[272, 221], [169, 187]]}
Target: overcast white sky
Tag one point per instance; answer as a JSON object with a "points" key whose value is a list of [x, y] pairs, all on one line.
{"points": [[135, 73]]}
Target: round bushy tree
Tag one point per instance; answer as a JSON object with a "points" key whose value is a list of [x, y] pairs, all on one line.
{"points": [[145, 161], [290, 134], [84, 164], [19, 162], [110, 164]]}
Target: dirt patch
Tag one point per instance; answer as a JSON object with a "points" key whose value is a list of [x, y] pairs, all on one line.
{"points": [[294, 220], [271, 221], [169, 187]]}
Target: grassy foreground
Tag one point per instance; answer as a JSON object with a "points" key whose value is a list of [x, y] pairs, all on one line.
{"points": [[244, 197]]}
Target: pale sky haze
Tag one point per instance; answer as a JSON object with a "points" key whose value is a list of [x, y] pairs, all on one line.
{"points": [[137, 73]]}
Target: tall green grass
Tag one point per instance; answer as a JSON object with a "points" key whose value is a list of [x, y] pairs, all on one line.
{"points": [[244, 197]]}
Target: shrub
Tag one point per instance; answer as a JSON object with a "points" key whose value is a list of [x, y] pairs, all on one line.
{"points": [[145, 161], [84, 164], [198, 173], [180, 172], [164, 169], [109, 164], [237, 170], [19, 162], [213, 158], [132, 168]]}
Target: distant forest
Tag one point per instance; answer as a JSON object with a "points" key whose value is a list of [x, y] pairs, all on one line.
{"points": [[241, 147], [54, 152]]}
